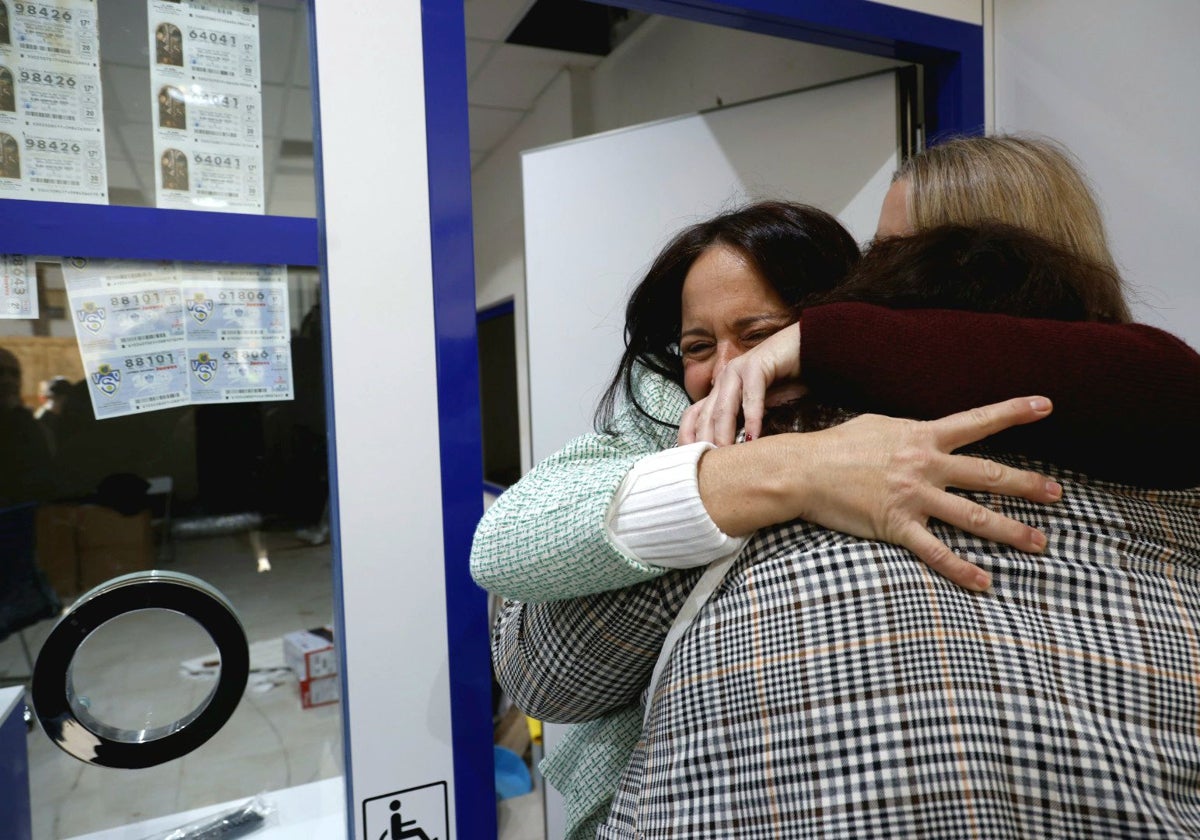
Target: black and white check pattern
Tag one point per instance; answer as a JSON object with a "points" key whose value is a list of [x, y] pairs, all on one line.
{"points": [[577, 659], [836, 687]]}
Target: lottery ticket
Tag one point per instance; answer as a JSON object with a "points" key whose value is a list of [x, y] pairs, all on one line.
{"points": [[58, 31], [53, 165], [58, 97], [206, 117], [231, 305], [122, 384], [240, 374], [51, 109], [208, 180], [157, 335], [18, 287], [127, 320], [219, 52], [207, 98], [124, 306]]}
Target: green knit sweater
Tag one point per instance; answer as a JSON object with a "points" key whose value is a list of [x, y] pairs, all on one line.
{"points": [[546, 539]]}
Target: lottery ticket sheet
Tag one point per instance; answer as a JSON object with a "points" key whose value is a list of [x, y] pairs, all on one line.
{"points": [[18, 286], [132, 383], [238, 332], [128, 320], [206, 92], [160, 335], [51, 103]]}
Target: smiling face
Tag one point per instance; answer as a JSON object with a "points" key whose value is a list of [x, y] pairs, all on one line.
{"points": [[727, 308]]}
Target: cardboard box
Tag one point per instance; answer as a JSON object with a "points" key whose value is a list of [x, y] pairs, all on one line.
{"points": [[310, 653], [110, 544], [56, 552], [82, 546], [321, 691]]}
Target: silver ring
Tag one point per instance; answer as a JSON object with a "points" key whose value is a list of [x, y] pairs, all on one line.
{"points": [[67, 721]]}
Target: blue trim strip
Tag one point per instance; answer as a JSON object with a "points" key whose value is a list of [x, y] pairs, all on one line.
{"points": [[444, 55], [16, 812], [490, 312], [493, 488], [951, 51], [340, 636], [51, 228]]}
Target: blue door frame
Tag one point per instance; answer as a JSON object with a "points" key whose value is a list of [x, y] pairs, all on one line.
{"points": [[952, 55], [950, 51]]}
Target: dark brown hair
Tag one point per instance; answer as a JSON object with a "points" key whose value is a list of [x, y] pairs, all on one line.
{"points": [[799, 250], [992, 267]]}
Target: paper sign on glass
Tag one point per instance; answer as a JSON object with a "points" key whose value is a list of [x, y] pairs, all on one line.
{"points": [[51, 104], [18, 287], [206, 96]]}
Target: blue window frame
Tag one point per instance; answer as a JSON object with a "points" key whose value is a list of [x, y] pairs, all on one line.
{"points": [[951, 53]]}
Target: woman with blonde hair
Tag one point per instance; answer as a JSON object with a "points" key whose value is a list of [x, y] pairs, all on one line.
{"points": [[1029, 182]]}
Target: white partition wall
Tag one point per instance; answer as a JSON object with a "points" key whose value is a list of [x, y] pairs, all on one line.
{"points": [[407, 462], [598, 209], [1116, 82]]}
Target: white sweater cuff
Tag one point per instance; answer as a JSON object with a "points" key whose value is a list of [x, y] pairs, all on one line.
{"points": [[658, 518]]}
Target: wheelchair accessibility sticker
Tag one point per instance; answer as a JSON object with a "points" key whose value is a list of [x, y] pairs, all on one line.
{"points": [[422, 813]]}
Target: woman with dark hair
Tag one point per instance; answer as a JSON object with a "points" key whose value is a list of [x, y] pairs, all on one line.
{"points": [[715, 291], [588, 519], [589, 659], [799, 251]]}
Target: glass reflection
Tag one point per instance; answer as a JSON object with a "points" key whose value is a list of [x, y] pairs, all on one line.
{"points": [[234, 494], [123, 676]]}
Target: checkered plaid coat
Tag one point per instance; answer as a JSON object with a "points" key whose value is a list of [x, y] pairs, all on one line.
{"points": [[836, 687], [544, 539]]}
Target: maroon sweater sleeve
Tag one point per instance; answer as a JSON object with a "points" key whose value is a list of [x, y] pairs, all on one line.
{"points": [[1126, 396]]}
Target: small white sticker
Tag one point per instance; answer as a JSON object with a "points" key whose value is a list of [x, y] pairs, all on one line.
{"points": [[422, 813]]}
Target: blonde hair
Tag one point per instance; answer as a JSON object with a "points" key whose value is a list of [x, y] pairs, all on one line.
{"points": [[1028, 182]]}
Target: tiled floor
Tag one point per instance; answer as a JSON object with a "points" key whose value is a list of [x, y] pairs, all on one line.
{"points": [[268, 744]]}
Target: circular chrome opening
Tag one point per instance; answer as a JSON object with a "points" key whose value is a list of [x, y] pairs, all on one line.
{"points": [[105, 727], [128, 674]]}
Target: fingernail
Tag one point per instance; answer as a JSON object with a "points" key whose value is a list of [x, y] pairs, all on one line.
{"points": [[749, 437], [1039, 404], [1039, 540], [1054, 489], [983, 582]]}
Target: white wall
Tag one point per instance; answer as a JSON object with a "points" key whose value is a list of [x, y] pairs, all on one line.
{"points": [[500, 226], [1116, 81], [670, 67]]}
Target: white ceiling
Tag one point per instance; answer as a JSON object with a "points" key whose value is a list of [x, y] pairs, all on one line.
{"points": [[503, 80]]}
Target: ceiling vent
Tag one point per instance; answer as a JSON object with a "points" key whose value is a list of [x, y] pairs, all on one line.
{"points": [[575, 26]]}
